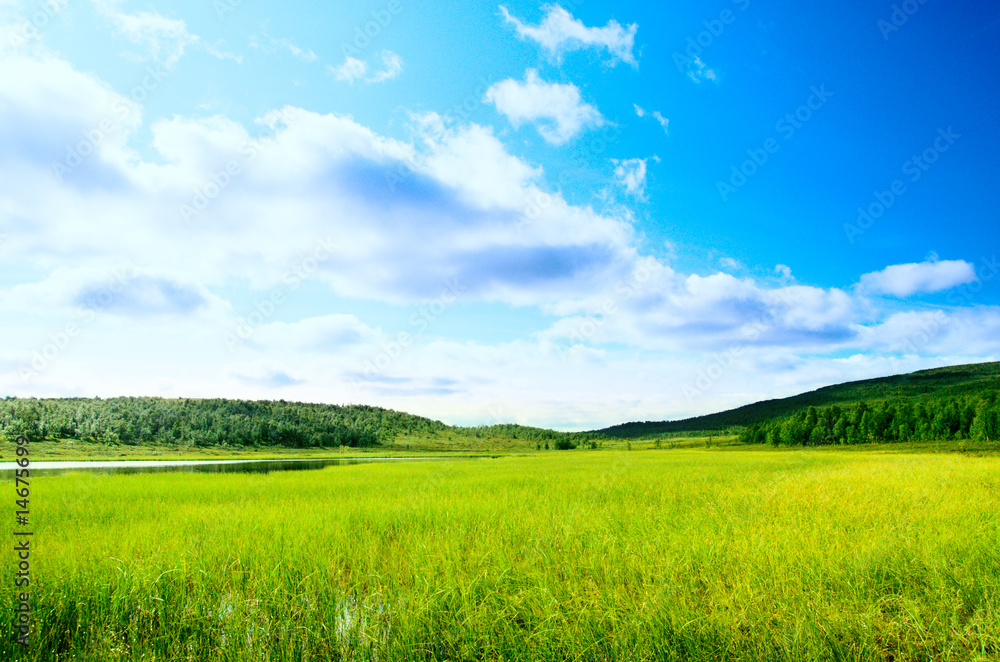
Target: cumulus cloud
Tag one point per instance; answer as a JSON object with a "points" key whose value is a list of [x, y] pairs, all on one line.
{"points": [[560, 32], [303, 176], [556, 109], [656, 307], [905, 280]]}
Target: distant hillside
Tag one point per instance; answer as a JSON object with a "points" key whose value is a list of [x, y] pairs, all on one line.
{"points": [[250, 423], [964, 380]]}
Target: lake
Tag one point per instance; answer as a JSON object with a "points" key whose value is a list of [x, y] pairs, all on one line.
{"points": [[212, 466]]}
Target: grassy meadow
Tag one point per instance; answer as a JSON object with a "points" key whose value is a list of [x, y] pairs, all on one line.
{"points": [[683, 554]]}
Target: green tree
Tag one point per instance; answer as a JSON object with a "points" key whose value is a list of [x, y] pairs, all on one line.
{"points": [[865, 429], [840, 430], [985, 425], [812, 417]]}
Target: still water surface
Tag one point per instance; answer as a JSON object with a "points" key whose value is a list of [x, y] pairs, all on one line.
{"points": [[213, 466]]}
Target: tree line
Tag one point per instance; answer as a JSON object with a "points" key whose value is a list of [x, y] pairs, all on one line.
{"points": [[541, 436], [886, 421], [209, 422]]}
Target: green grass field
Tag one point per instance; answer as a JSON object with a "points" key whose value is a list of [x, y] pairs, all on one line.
{"points": [[655, 555]]}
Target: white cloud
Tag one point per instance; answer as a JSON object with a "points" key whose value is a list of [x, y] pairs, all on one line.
{"points": [[698, 71], [631, 173], [393, 66], [300, 53], [270, 45], [78, 110], [216, 52], [904, 280], [167, 39], [328, 332], [318, 174], [664, 122], [555, 108], [732, 264], [351, 70], [559, 32]]}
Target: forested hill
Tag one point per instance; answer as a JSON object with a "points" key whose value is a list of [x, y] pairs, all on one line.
{"points": [[191, 422], [970, 382], [245, 423]]}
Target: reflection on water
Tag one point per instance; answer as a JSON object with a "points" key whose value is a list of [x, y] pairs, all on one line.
{"points": [[212, 466]]}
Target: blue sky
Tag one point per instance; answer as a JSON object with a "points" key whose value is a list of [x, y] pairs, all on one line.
{"points": [[568, 215]]}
